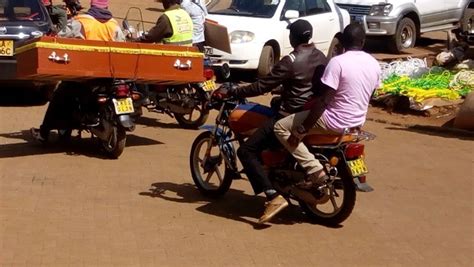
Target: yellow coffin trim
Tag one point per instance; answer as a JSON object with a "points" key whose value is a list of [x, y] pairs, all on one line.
{"points": [[103, 49]]}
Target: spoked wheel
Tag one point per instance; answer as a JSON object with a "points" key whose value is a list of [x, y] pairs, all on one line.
{"points": [[208, 168], [335, 205], [198, 115], [115, 144]]}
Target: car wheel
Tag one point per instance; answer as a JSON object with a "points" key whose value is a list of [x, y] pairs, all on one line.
{"points": [[405, 36], [335, 48], [266, 62]]}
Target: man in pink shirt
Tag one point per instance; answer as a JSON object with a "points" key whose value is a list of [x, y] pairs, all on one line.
{"points": [[346, 88]]}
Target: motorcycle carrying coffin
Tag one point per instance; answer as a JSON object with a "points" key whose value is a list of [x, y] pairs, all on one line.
{"points": [[49, 58]]}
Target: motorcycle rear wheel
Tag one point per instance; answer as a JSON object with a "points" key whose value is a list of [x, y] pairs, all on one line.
{"points": [[188, 121], [115, 145], [340, 213], [205, 165]]}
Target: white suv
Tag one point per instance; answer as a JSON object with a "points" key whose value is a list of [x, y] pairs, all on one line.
{"points": [[402, 21], [258, 29]]}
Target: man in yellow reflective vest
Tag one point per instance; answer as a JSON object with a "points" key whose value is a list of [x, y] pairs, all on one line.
{"points": [[173, 27]]}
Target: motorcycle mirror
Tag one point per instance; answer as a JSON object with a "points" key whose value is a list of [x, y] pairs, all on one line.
{"points": [[125, 24], [225, 71]]}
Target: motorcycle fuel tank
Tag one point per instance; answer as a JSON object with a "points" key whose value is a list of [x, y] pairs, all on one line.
{"points": [[247, 118]]}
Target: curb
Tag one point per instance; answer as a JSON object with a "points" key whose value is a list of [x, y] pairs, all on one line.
{"points": [[428, 128]]}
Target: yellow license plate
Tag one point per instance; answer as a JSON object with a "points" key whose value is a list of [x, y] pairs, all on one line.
{"points": [[6, 48], [209, 85], [357, 167], [123, 106]]}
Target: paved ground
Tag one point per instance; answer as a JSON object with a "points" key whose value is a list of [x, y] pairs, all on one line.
{"points": [[67, 206]]}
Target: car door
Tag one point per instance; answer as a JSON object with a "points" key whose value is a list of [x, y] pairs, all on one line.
{"points": [[319, 13], [325, 23], [432, 12]]}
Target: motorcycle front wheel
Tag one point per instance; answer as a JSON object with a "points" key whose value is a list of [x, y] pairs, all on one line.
{"points": [[208, 169], [115, 144], [340, 201]]}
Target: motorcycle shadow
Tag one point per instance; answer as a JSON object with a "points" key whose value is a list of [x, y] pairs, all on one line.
{"points": [[152, 122], [235, 205], [84, 146]]}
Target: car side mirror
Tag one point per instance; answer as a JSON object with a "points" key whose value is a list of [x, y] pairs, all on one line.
{"points": [[292, 14]]}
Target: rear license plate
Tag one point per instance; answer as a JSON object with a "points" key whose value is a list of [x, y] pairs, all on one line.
{"points": [[209, 85], [357, 167], [123, 106], [6, 48]]}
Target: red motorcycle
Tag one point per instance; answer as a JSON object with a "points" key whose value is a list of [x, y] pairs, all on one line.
{"points": [[213, 162]]}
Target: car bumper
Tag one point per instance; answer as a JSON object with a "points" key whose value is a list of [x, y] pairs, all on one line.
{"points": [[244, 56], [379, 25]]}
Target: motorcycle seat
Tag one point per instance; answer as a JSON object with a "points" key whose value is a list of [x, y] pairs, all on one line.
{"points": [[327, 139]]}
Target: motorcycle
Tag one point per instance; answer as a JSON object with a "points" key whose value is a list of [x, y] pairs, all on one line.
{"points": [[106, 111], [213, 162], [187, 103]]}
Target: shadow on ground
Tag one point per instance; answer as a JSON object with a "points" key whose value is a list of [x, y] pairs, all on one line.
{"points": [[234, 205], [437, 131], [84, 146], [152, 122]]}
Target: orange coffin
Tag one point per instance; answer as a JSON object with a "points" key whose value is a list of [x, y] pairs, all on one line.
{"points": [[49, 58]]}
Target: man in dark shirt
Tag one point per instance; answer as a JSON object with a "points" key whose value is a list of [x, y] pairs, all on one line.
{"points": [[295, 73]]}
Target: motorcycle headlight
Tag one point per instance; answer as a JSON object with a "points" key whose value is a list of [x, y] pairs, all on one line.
{"points": [[238, 37], [381, 10], [36, 34]]}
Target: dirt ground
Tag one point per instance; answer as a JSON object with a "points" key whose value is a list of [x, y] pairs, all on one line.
{"points": [[65, 205]]}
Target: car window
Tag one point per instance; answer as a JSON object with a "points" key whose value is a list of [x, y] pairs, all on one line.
{"points": [[298, 5], [250, 8], [20, 10], [314, 7]]}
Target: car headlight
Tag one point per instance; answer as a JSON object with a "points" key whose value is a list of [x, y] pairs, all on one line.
{"points": [[381, 10], [238, 37]]}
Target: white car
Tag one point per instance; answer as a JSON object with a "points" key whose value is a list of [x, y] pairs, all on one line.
{"points": [[258, 29]]}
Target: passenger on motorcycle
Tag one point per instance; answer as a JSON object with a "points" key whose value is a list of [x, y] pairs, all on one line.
{"points": [[96, 24], [295, 72], [346, 88]]}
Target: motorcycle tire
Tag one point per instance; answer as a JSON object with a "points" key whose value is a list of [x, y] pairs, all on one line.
{"points": [[116, 144], [195, 165], [192, 124], [342, 213]]}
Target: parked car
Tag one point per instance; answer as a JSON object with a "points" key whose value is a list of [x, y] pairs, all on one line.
{"points": [[21, 21], [402, 21], [258, 29]]}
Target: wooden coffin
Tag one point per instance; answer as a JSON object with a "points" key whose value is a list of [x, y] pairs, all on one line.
{"points": [[49, 58]]}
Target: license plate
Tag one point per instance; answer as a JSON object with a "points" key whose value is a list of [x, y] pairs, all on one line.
{"points": [[357, 18], [209, 85], [357, 167], [6, 48], [123, 106], [208, 50]]}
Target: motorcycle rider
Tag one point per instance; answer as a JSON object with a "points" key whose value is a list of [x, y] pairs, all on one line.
{"points": [[174, 26], [57, 14], [346, 89], [96, 24], [296, 73]]}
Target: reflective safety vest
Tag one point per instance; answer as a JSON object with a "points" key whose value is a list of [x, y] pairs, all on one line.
{"points": [[96, 30], [182, 26]]}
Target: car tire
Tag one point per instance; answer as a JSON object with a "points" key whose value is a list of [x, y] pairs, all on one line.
{"points": [[335, 48], [266, 62], [405, 36]]}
